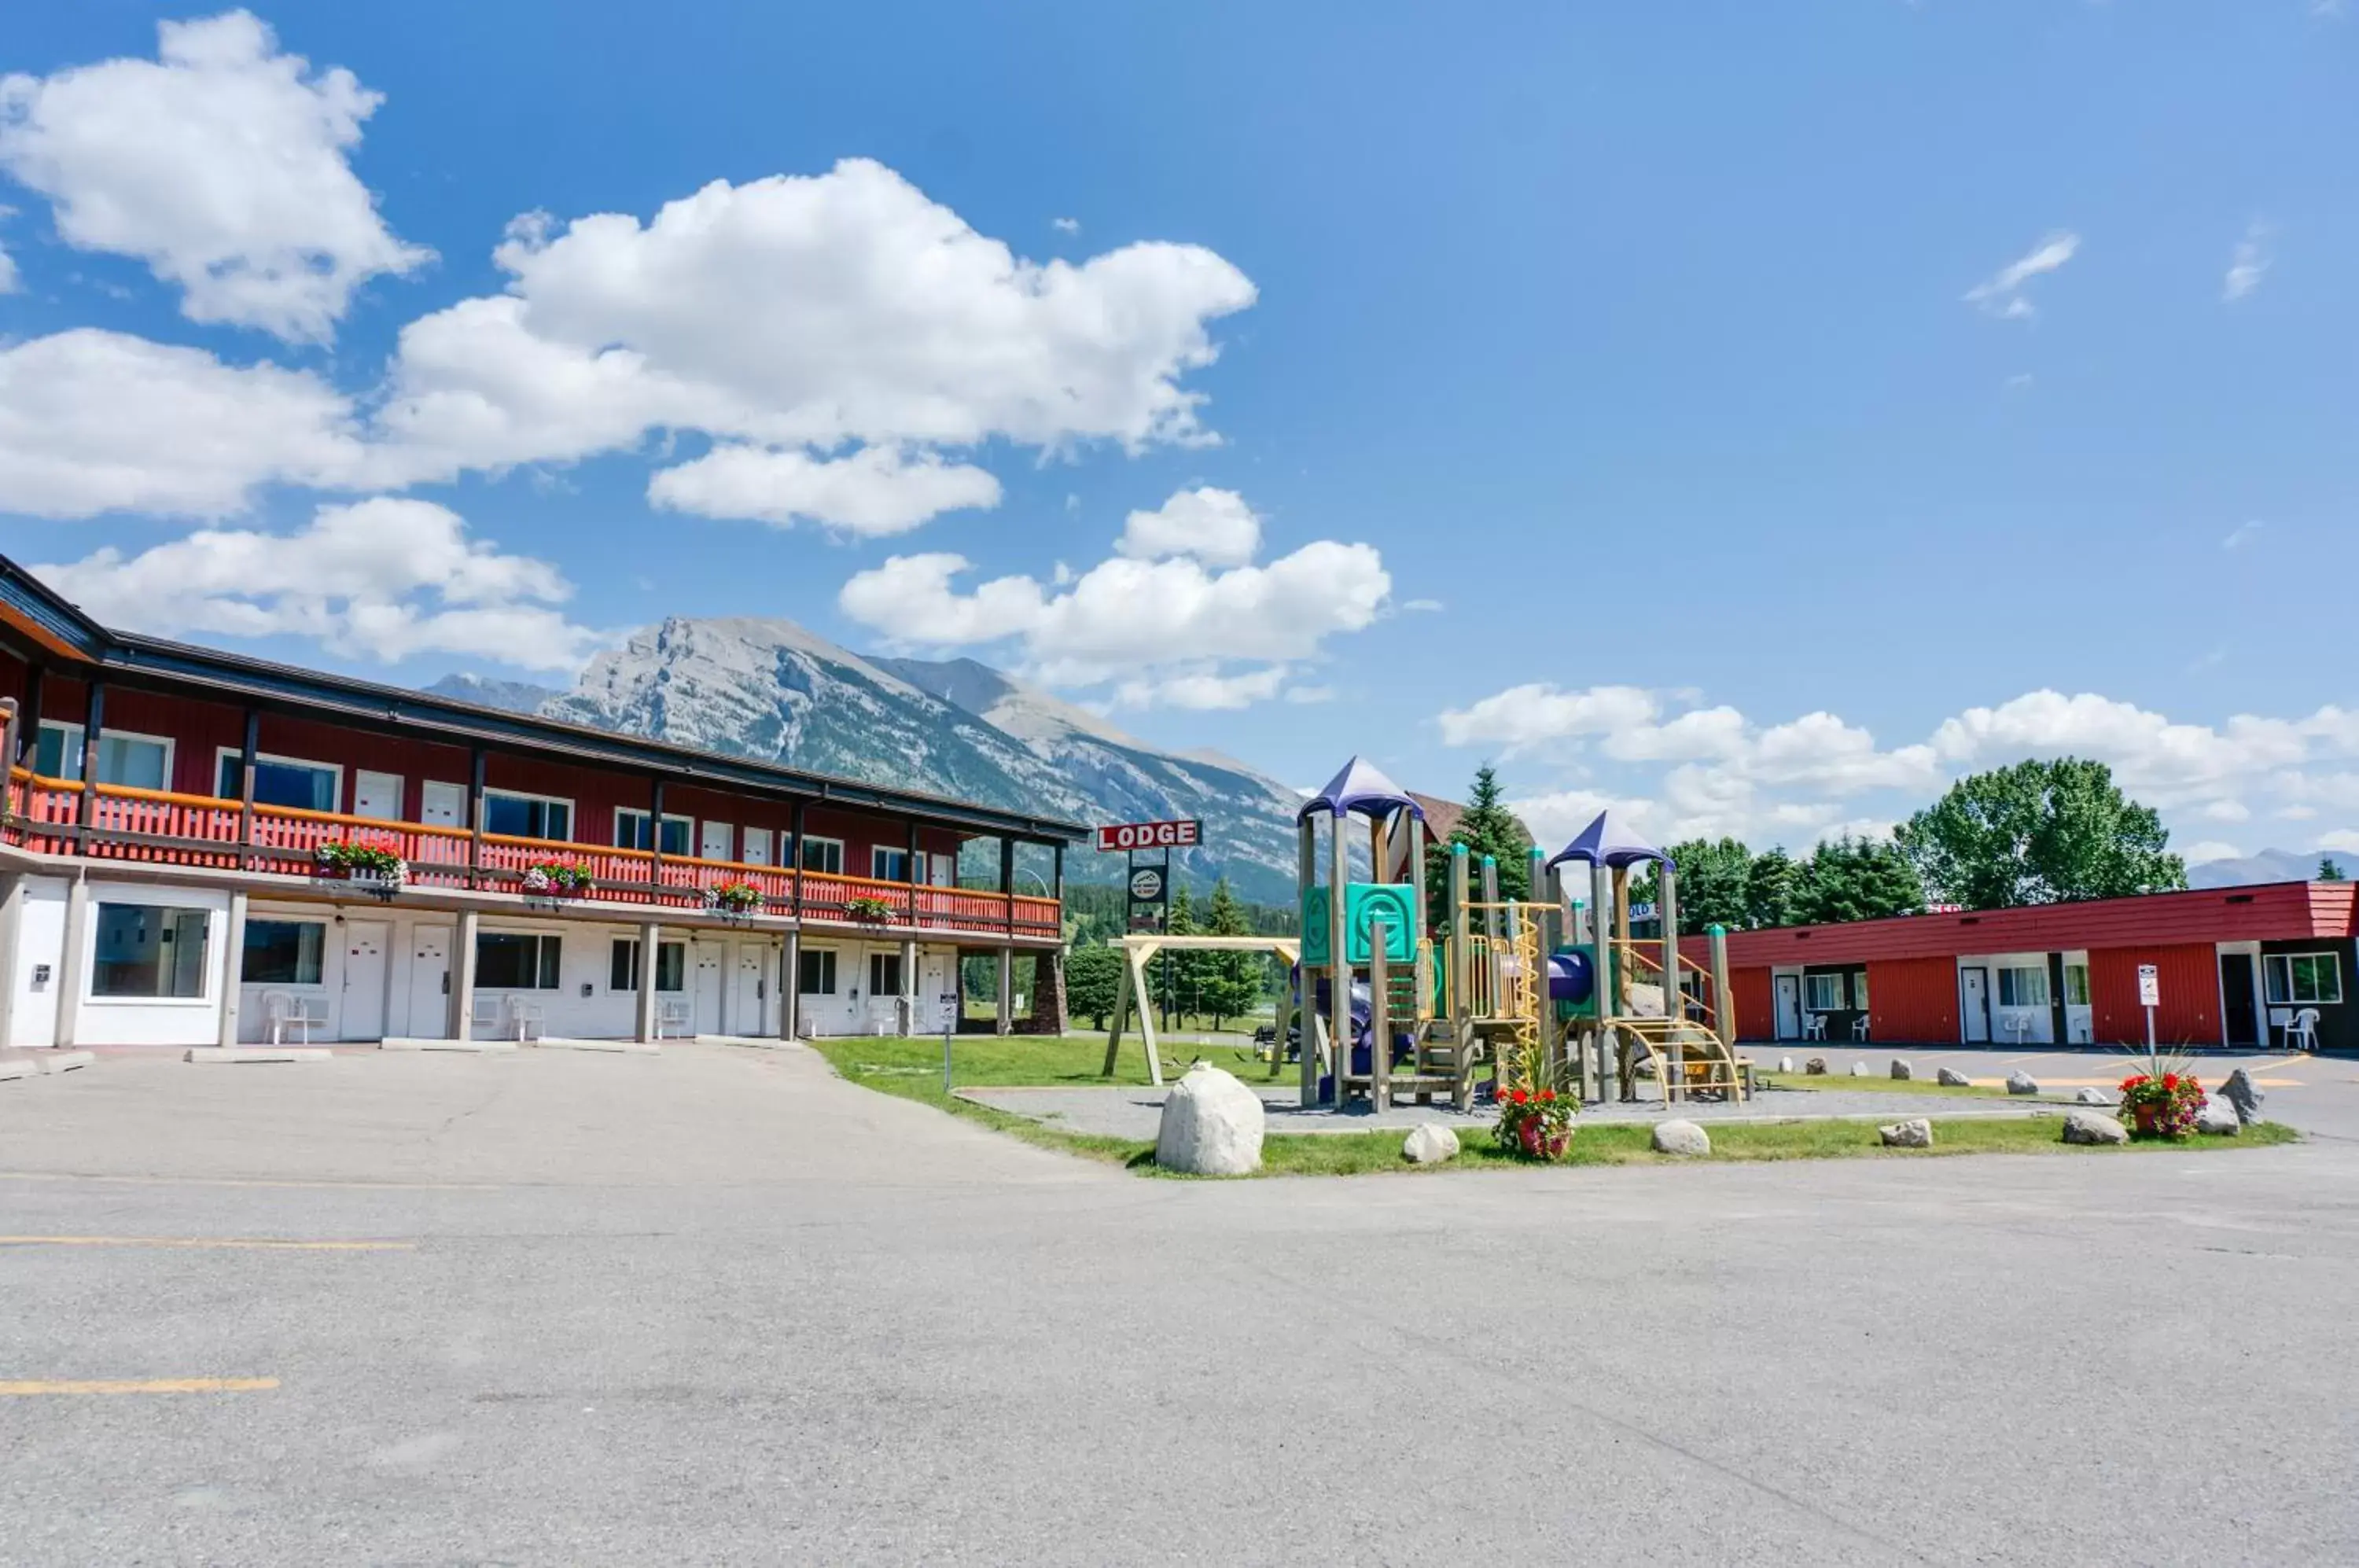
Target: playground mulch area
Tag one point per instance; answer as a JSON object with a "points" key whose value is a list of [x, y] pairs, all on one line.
{"points": [[1135, 1111]]}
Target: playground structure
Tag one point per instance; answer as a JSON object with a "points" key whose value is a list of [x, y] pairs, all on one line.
{"points": [[1137, 952], [1550, 992]]}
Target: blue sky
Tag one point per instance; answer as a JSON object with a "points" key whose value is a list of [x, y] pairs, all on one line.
{"points": [[1641, 399]]}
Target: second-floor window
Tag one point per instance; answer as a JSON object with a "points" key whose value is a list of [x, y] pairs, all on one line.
{"points": [[136, 761], [527, 816], [824, 855], [631, 831], [888, 865], [281, 781]]}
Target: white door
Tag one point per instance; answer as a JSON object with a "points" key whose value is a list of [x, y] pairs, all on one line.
{"points": [[705, 985], [429, 982], [361, 1016], [758, 847], [946, 871], [937, 999], [376, 795], [716, 841], [443, 805], [1789, 1008], [749, 990], [1974, 1005]]}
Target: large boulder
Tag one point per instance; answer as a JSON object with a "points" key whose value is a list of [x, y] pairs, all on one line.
{"points": [[2021, 1083], [2241, 1092], [1915, 1133], [1816, 1067], [2094, 1126], [1211, 1126], [2091, 1096], [1950, 1077], [2219, 1116], [1429, 1143], [1901, 1070], [1785, 1064], [1681, 1137]]}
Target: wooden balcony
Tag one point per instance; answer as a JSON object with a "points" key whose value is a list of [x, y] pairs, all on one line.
{"points": [[159, 828]]}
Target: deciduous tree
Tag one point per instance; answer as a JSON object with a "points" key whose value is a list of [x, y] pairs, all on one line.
{"points": [[2039, 833]]}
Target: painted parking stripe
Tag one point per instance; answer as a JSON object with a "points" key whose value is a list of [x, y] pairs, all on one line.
{"points": [[247, 1182], [139, 1386], [258, 1244]]}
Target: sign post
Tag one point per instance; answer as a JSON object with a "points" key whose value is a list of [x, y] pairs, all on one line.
{"points": [[1149, 882], [2150, 997]]}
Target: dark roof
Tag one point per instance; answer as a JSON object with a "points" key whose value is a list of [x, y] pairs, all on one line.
{"points": [[31, 608]]}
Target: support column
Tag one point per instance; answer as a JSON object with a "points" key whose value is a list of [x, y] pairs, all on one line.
{"points": [[1674, 997], [655, 840], [233, 969], [1007, 990], [1305, 1001], [650, 953], [71, 962], [1339, 965], [790, 987], [12, 915], [28, 738], [474, 845], [917, 880], [246, 754], [1380, 1022], [1607, 983], [463, 973], [800, 815], [93, 723], [909, 978], [1006, 905]]}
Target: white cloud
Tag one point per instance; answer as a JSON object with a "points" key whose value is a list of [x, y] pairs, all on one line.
{"points": [[2246, 264], [1215, 527], [221, 164], [2001, 294], [2343, 839], [1066, 225], [1303, 696], [1170, 630], [2204, 851], [875, 491], [816, 312], [1527, 715], [9, 282], [2242, 534], [381, 579], [95, 422], [1423, 606]]}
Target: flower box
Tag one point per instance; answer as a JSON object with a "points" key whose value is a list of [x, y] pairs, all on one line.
{"points": [[557, 880], [734, 898], [869, 911]]}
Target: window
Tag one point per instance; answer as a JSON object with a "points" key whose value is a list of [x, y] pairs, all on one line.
{"points": [[1823, 993], [631, 831], [2292, 977], [817, 976], [884, 973], [283, 953], [149, 950], [280, 781], [2024, 986], [671, 966], [2076, 985], [516, 960], [135, 761], [1858, 990], [527, 816], [823, 855], [888, 865]]}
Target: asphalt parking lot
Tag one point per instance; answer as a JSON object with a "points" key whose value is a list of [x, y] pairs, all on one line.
{"points": [[718, 1306]]}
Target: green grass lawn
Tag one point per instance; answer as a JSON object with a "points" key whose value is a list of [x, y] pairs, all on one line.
{"points": [[1873, 1085], [1016, 1061], [892, 1067]]}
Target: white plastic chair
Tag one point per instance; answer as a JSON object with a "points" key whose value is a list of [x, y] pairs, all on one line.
{"points": [[1814, 1026], [525, 1017], [673, 1018], [2302, 1033], [1859, 1027], [284, 1010]]}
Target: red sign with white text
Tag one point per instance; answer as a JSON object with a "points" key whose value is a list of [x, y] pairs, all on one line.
{"points": [[1119, 836]]}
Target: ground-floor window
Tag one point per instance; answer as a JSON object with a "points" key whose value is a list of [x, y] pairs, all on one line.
{"points": [[516, 960], [149, 950], [1823, 993], [816, 973], [2294, 977], [2024, 986], [671, 966], [284, 952], [2076, 985], [884, 973]]}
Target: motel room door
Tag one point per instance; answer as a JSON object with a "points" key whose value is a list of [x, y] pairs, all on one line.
{"points": [[1789, 1008], [1974, 1006], [362, 1014], [2239, 1009], [706, 956], [749, 989], [430, 983]]}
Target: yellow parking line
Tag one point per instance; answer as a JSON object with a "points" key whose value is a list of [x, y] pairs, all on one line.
{"points": [[141, 1386], [259, 1243]]}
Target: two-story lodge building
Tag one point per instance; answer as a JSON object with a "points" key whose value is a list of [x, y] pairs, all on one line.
{"points": [[163, 880]]}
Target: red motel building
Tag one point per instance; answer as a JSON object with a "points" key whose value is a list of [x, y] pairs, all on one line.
{"points": [[163, 881], [2258, 967]]}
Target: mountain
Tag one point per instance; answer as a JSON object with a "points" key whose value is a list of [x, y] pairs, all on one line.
{"points": [[771, 689], [2266, 866], [513, 696]]}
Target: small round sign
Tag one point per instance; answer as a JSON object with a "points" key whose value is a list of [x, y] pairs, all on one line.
{"points": [[1146, 884]]}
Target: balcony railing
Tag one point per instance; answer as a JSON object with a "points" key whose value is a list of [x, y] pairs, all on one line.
{"points": [[160, 828]]}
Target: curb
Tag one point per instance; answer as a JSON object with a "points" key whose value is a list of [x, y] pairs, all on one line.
{"points": [[12, 1071], [217, 1056], [611, 1047], [472, 1047], [64, 1061]]}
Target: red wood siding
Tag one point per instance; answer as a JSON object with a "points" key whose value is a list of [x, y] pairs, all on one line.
{"points": [[1751, 991], [1914, 1000], [2190, 1013]]}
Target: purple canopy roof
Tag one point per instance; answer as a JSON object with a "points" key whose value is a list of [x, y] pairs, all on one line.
{"points": [[1607, 843], [1360, 789]]}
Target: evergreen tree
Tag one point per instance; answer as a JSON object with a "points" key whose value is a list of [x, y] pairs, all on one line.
{"points": [[2039, 833], [1714, 879], [1178, 984], [1857, 879], [2330, 870], [1227, 983], [1486, 827], [1094, 982], [1772, 891]]}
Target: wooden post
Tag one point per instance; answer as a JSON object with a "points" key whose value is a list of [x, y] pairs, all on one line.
{"points": [[917, 874], [1306, 993], [94, 722], [253, 744], [1458, 969], [1674, 996], [1339, 972], [1421, 937], [1380, 1034], [802, 807], [655, 840], [1006, 897], [1607, 982], [1622, 940], [475, 842], [28, 738]]}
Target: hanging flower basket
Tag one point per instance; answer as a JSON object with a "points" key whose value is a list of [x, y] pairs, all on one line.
{"points": [[557, 880], [868, 910], [735, 897], [362, 863]]}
